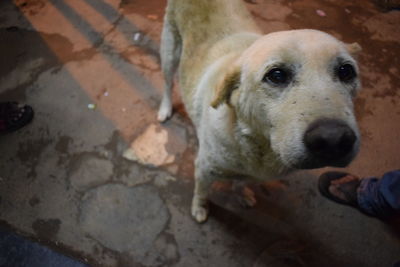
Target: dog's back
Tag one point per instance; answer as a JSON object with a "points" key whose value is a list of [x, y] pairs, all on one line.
{"points": [[199, 25], [200, 21]]}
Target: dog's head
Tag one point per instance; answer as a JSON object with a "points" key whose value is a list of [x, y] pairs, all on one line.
{"points": [[296, 88]]}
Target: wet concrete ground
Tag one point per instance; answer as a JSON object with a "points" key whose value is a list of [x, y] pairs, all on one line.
{"points": [[112, 187]]}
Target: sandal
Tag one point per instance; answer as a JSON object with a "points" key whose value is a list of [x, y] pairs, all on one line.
{"points": [[348, 189], [14, 116]]}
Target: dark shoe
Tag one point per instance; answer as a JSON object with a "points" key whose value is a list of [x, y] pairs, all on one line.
{"points": [[346, 185], [14, 116]]}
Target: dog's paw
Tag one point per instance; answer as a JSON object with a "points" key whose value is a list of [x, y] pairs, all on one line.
{"points": [[164, 115], [247, 198], [200, 213], [165, 111], [248, 202]]}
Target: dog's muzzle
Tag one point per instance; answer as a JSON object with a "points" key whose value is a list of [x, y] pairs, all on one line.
{"points": [[329, 142]]}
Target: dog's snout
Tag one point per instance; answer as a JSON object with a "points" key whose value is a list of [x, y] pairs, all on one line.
{"points": [[329, 139]]}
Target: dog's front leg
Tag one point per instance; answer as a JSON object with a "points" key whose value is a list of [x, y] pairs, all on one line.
{"points": [[204, 178]]}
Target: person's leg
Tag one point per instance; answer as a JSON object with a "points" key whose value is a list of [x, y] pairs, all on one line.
{"points": [[372, 196], [380, 197]]}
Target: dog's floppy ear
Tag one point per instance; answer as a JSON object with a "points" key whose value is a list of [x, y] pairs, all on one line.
{"points": [[226, 85], [354, 49]]}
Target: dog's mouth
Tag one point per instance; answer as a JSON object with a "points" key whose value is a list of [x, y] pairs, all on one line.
{"points": [[312, 162]]}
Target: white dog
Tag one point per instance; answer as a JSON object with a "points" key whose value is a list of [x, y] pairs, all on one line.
{"points": [[262, 105]]}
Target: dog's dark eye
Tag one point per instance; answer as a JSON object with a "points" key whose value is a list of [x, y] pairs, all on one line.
{"points": [[346, 73], [277, 76]]}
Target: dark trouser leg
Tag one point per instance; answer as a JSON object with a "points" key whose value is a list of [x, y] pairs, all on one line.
{"points": [[380, 197]]}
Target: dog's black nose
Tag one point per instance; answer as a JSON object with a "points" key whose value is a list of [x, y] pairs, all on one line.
{"points": [[329, 139]]}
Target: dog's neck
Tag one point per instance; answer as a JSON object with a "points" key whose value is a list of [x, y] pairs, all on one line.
{"points": [[255, 147]]}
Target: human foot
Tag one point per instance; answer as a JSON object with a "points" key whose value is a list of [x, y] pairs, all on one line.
{"points": [[340, 187]]}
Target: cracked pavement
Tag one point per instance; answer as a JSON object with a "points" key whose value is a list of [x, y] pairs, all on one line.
{"points": [[110, 186]]}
